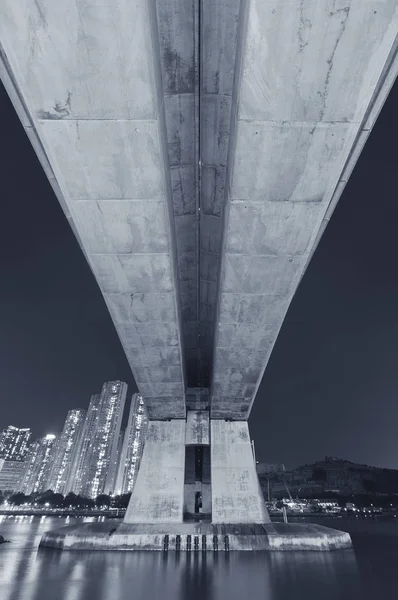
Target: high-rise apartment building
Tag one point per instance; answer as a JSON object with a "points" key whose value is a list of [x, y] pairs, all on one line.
{"points": [[133, 445], [114, 466], [11, 475], [80, 470], [14, 443], [31, 467], [39, 465], [67, 447], [101, 474], [95, 466]]}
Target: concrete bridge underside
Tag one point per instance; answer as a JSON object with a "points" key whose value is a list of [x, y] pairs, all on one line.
{"points": [[198, 150]]}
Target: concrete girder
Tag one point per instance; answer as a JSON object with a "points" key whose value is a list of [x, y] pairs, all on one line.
{"points": [[219, 36], [310, 79], [85, 79], [178, 26]]}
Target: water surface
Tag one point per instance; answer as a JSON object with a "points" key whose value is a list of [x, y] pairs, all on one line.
{"points": [[368, 571]]}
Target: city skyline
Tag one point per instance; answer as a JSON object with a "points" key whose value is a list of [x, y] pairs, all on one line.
{"points": [[53, 462], [90, 456]]}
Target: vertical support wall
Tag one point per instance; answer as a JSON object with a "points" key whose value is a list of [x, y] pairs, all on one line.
{"points": [[236, 493], [158, 494], [198, 428], [197, 477]]}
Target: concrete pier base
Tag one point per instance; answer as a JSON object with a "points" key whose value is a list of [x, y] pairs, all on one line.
{"points": [[199, 537], [228, 512], [228, 485]]}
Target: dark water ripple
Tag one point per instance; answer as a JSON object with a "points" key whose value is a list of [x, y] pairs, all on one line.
{"points": [[368, 571]]}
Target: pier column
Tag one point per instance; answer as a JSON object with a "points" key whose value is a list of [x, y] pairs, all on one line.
{"points": [[158, 494], [236, 492]]}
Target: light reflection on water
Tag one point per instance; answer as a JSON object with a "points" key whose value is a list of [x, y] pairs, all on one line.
{"points": [[28, 574]]}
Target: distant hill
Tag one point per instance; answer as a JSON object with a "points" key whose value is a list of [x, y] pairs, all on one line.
{"points": [[331, 475]]}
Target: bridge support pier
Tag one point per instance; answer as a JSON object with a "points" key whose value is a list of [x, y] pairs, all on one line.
{"points": [[197, 489], [158, 494], [236, 492], [171, 473]]}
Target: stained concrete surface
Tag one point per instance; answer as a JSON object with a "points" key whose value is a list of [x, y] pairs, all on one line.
{"points": [[197, 428], [308, 75], [158, 495], [236, 493], [208, 537]]}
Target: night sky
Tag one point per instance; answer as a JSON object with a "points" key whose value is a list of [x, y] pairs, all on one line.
{"points": [[331, 387]]}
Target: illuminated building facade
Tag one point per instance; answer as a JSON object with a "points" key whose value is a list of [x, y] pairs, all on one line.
{"points": [[114, 466], [40, 463], [31, 467], [66, 449], [14, 443], [11, 475], [80, 469], [104, 450], [133, 445]]}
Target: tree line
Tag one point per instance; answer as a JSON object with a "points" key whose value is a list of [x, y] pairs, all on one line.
{"points": [[71, 500]]}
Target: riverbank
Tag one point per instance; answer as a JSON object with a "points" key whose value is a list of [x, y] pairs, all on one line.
{"points": [[340, 515], [119, 514], [63, 512]]}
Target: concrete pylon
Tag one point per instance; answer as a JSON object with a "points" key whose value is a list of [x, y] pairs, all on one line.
{"points": [[166, 485], [158, 494], [236, 493]]}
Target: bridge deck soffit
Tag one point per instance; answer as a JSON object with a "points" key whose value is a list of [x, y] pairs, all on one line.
{"points": [[198, 150]]}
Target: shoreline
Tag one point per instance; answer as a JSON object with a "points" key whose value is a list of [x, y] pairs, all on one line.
{"points": [[119, 514]]}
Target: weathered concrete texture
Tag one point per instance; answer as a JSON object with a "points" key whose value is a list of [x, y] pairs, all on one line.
{"points": [[300, 536], [198, 70], [307, 75], [207, 536], [158, 494], [197, 399], [198, 428], [219, 34], [178, 27], [189, 497], [85, 79], [236, 493]]}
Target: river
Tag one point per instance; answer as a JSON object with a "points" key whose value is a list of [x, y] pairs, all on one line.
{"points": [[368, 571]]}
